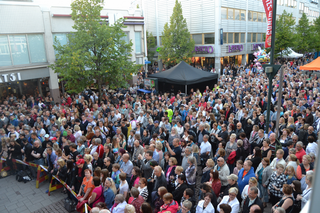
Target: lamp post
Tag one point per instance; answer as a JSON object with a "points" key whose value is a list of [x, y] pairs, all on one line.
{"points": [[271, 69]]}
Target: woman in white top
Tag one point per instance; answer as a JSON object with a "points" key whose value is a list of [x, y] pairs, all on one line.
{"points": [[231, 200], [124, 186], [307, 192], [88, 159], [77, 133], [252, 182], [205, 206]]}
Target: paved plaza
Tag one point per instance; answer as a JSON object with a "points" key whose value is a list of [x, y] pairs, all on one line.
{"points": [[19, 197]]}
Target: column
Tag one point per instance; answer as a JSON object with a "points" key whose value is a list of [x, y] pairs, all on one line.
{"points": [[244, 59], [217, 45], [53, 80]]}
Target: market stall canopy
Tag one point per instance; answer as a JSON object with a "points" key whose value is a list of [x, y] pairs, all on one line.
{"points": [[313, 65], [184, 74], [290, 54]]}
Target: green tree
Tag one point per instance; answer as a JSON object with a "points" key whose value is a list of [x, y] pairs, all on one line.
{"points": [[96, 53], [302, 41], [284, 33], [151, 44], [315, 28], [177, 43]]}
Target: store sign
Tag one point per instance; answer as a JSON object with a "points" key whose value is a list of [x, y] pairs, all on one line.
{"points": [[4, 78], [256, 46], [203, 49], [235, 48]]}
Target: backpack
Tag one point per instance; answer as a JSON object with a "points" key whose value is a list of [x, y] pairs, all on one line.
{"points": [[22, 176]]}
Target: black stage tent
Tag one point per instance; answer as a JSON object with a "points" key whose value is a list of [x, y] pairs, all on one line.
{"points": [[182, 77]]}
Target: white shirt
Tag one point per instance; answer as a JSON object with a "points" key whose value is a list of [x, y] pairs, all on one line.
{"points": [[205, 147], [312, 148], [120, 207], [77, 135], [208, 209], [234, 204], [276, 161]]}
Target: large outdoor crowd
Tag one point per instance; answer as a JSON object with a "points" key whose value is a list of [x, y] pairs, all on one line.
{"points": [[151, 152]]}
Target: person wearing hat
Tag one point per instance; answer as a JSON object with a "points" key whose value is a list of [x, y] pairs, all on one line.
{"points": [[155, 128], [232, 182], [80, 168], [46, 140]]}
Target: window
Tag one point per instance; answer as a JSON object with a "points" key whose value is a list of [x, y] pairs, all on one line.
{"points": [[224, 38], [249, 37], [243, 15], [19, 49], [263, 37], [224, 13], [259, 17], [236, 38], [230, 38], [264, 17], [230, 13], [254, 37], [285, 3], [197, 38], [137, 37], [254, 16], [36, 47], [5, 58], [249, 16], [259, 37], [237, 14], [126, 37], [209, 38], [243, 38]]}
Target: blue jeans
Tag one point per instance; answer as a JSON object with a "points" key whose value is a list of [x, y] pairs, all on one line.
{"points": [[263, 193], [34, 169]]}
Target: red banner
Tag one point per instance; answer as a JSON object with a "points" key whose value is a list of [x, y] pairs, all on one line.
{"points": [[268, 4]]}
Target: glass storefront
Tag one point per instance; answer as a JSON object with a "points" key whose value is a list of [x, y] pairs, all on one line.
{"points": [[28, 87], [227, 60], [205, 62]]}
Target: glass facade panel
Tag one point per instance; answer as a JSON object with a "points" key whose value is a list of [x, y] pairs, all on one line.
{"points": [[126, 37], [264, 17], [260, 17], [230, 38], [137, 36], [224, 38], [37, 50], [243, 15], [236, 38], [5, 59], [19, 49], [249, 37], [209, 38], [223, 13], [254, 38], [230, 13], [259, 37], [254, 16], [243, 38], [249, 16], [197, 38], [237, 14]]}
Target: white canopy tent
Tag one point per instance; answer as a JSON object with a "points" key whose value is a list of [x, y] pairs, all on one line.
{"points": [[289, 53]]}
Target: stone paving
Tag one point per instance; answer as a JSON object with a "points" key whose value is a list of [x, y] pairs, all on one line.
{"points": [[19, 197]]}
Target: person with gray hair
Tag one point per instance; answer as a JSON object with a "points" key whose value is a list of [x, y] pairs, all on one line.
{"points": [[121, 204], [205, 150], [279, 210], [187, 154], [252, 199], [191, 172], [129, 209], [186, 206]]}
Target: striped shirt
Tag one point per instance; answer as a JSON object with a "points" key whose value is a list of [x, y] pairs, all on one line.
{"points": [[144, 192]]}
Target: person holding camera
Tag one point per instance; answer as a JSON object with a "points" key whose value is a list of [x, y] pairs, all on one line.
{"points": [[176, 150]]}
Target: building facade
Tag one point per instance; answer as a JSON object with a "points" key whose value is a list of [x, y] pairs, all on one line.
{"points": [[27, 33], [224, 31]]}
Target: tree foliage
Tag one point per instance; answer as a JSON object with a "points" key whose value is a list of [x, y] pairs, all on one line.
{"points": [[151, 44], [303, 35], [96, 53], [177, 43], [315, 28], [284, 32]]}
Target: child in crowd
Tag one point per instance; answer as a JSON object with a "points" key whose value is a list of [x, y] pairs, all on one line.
{"points": [[115, 174], [238, 167], [80, 147], [290, 174]]}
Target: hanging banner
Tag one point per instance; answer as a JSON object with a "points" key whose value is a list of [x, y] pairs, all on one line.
{"points": [[268, 4]]}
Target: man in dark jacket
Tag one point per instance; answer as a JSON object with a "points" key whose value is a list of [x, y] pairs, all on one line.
{"points": [[201, 133], [160, 180], [145, 164], [178, 192], [252, 199]]}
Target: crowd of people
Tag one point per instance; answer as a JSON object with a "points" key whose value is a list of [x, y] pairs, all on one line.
{"points": [[205, 151]]}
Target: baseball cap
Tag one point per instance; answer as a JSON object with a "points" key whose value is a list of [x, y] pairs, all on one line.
{"points": [[156, 122], [80, 161], [54, 139], [46, 136]]}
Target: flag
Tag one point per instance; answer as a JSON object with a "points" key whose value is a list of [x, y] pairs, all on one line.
{"points": [[268, 7]]}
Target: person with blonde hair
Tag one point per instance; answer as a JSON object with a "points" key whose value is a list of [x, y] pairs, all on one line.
{"points": [[77, 133], [88, 159], [206, 171], [129, 209], [231, 200], [109, 192], [252, 183]]}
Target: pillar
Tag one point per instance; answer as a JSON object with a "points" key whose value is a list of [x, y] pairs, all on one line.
{"points": [[53, 79], [217, 44], [244, 59]]}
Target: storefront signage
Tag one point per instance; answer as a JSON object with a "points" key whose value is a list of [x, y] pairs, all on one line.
{"points": [[203, 49], [235, 48], [10, 77], [255, 46]]}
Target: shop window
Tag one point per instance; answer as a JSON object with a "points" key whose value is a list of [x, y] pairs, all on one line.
{"points": [[249, 37], [36, 47], [237, 14], [243, 38], [254, 16], [259, 17], [209, 38], [197, 38], [243, 15], [137, 39], [236, 38], [223, 13], [249, 15], [5, 58], [230, 13], [224, 38], [254, 37], [19, 49], [230, 38]]}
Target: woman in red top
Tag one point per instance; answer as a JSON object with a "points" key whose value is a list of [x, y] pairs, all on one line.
{"points": [[97, 192], [215, 182]]}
